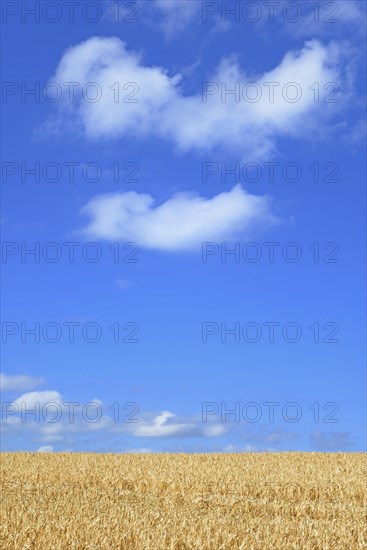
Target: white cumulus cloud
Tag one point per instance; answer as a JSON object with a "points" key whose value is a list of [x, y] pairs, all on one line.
{"points": [[183, 222], [38, 398], [130, 98]]}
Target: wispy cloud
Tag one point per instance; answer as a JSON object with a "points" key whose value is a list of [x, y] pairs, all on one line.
{"points": [[175, 15], [123, 283], [332, 441], [19, 382]]}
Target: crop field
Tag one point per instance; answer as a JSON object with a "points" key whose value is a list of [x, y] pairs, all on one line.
{"points": [[183, 501]]}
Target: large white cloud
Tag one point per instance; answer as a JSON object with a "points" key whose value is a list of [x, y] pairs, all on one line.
{"points": [[130, 98], [183, 222]]}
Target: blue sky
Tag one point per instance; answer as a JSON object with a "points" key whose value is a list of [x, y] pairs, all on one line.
{"points": [[147, 325]]}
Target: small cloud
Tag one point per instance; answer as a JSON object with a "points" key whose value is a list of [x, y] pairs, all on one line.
{"points": [[215, 430], [246, 449], [45, 449], [332, 441], [123, 283], [20, 382], [143, 450], [265, 436], [160, 427], [166, 424], [176, 15], [50, 449]]}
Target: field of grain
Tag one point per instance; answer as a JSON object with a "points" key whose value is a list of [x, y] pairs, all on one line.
{"points": [[183, 501]]}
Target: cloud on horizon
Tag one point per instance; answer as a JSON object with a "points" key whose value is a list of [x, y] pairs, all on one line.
{"points": [[332, 441], [48, 418]]}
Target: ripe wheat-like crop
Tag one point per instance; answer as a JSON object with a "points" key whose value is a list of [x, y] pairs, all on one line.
{"points": [[247, 501]]}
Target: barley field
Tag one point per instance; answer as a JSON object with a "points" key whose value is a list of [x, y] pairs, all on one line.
{"points": [[183, 501]]}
